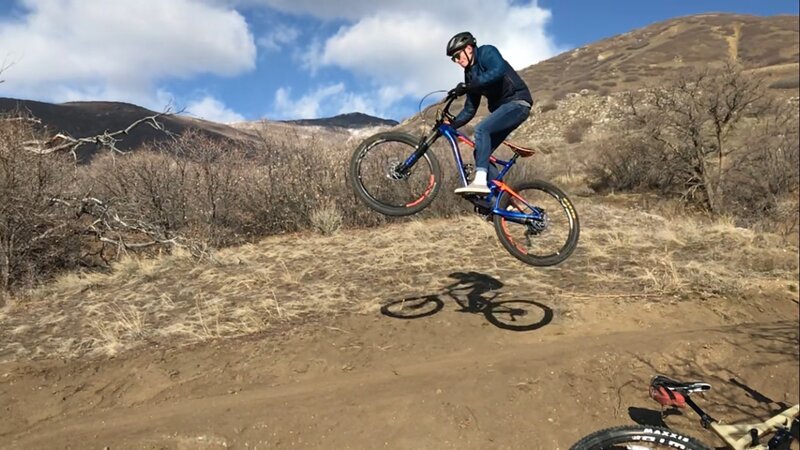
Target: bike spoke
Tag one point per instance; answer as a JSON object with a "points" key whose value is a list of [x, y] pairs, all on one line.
{"points": [[546, 231], [383, 181]]}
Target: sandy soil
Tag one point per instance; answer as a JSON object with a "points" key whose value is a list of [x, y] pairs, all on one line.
{"points": [[419, 373]]}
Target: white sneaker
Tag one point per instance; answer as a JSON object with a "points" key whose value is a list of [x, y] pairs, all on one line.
{"points": [[473, 188]]}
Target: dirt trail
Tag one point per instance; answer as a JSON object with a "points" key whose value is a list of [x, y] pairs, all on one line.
{"points": [[450, 379], [733, 42]]}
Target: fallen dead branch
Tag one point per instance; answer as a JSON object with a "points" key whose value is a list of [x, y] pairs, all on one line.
{"points": [[65, 142]]}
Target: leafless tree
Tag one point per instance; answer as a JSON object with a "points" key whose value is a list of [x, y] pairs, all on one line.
{"points": [[692, 123]]}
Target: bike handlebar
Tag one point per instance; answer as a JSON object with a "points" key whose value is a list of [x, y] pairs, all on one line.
{"points": [[444, 112]]}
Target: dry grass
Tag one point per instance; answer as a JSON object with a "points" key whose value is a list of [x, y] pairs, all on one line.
{"points": [[175, 300], [326, 218]]}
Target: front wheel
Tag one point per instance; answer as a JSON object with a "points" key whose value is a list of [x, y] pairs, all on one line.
{"points": [[376, 179], [550, 232], [638, 438]]}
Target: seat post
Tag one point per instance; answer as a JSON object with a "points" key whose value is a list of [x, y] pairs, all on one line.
{"points": [[705, 419]]}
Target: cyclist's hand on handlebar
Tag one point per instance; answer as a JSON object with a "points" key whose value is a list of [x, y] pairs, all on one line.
{"points": [[458, 91]]}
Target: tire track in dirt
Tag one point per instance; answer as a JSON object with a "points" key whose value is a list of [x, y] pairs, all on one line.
{"points": [[465, 399]]}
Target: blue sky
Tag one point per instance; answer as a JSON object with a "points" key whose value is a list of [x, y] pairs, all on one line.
{"points": [[233, 60]]}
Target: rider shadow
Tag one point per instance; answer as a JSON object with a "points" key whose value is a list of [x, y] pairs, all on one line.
{"points": [[475, 293]]}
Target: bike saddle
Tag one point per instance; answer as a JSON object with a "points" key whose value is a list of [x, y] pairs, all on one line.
{"points": [[521, 151], [669, 392]]}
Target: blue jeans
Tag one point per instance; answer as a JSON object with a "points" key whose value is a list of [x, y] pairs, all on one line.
{"points": [[493, 130]]}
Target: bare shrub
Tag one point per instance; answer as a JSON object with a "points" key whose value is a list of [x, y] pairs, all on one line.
{"points": [[289, 175], [37, 234], [575, 131], [716, 140], [694, 119], [624, 162], [767, 168], [146, 186], [193, 186], [215, 174], [57, 215]]}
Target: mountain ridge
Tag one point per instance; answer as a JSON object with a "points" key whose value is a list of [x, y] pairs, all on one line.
{"points": [[354, 120]]}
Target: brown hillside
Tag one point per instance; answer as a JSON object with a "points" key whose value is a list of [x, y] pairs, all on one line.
{"points": [[647, 55]]}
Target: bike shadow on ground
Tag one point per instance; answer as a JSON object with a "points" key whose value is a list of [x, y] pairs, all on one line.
{"points": [[475, 293]]}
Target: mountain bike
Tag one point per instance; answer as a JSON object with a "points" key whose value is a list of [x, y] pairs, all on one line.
{"points": [[677, 394], [395, 174]]}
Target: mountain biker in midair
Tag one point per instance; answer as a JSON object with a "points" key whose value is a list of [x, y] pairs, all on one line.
{"points": [[487, 74]]}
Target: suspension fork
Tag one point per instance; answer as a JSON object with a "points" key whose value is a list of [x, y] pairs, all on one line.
{"points": [[425, 143]]}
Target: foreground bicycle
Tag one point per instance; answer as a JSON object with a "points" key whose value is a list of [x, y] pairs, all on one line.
{"points": [[396, 175], [671, 393]]}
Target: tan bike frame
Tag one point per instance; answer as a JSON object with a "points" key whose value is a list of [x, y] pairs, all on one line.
{"points": [[737, 436]]}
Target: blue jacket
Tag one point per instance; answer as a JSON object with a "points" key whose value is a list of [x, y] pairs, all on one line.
{"points": [[494, 78]]}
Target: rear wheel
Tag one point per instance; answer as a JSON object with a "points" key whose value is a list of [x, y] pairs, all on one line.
{"points": [[376, 180], [549, 234], [638, 438]]}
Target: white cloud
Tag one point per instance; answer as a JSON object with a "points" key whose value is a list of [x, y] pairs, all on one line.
{"points": [[399, 47], [78, 49], [307, 106], [209, 108], [323, 101], [346, 9], [278, 37], [391, 51]]}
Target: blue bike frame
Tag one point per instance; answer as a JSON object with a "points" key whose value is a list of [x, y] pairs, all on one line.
{"points": [[496, 186]]}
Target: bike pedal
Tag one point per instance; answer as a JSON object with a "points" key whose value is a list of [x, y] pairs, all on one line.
{"points": [[485, 213]]}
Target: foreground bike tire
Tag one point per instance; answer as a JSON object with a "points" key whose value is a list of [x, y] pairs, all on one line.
{"points": [[394, 197], [638, 438], [546, 249]]}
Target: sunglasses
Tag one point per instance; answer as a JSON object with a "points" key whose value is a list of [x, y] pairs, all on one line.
{"points": [[457, 55]]}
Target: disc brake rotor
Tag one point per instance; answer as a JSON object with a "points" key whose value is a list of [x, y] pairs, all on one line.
{"points": [[391, 170], [538, 227]]}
